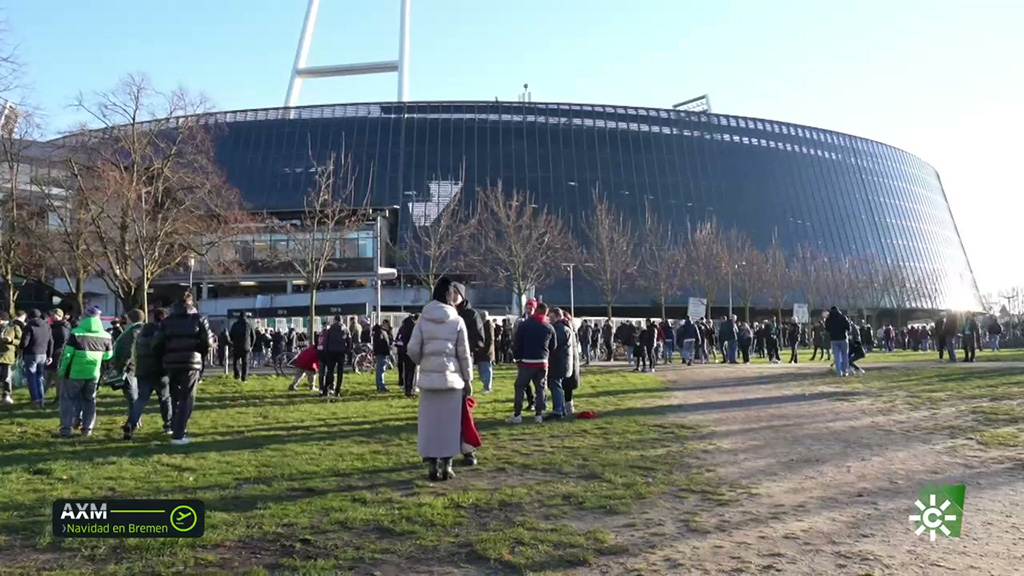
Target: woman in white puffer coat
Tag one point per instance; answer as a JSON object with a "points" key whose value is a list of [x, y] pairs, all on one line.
{"points": [[440, 346]]}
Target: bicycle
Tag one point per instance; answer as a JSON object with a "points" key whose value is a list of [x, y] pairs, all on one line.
{"points": [[365, 360]]}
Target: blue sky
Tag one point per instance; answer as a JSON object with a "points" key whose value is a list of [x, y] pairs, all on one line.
{"points": [[942, 78]]}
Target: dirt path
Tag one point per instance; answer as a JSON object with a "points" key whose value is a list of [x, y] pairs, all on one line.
{"points": [[830, 485]]}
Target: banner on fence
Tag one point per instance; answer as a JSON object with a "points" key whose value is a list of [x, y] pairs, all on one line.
{"points": [[696, 308]]}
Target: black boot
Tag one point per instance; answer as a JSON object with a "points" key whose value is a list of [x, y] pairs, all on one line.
{"points": [[446, 469], [433, 469]]}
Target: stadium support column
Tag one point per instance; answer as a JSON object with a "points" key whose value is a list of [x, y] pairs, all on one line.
{"points": [[305, 38], [403, 53]]}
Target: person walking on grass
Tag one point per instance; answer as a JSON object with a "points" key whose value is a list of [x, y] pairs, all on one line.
{"points": [[439, 345], [838, 328], [534, 343], [406, 367], [123, 362], [476, 331], [337, 346], [37, 354], [182, 342], [381, 343], [10, 337], [60, 331], [561, 364], [572, 381], [84, 354], [149, 371], [242, 339]]}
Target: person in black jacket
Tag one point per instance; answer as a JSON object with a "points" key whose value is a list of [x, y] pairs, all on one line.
{"points": [[838, 328], [149, 371], [560, 362], [585, 334], [406, 367], [476, 332], [793, 340], [181, 344], [60, 332], [123, 362], [607, 338], [242, 338], [36, 354], [381, 340], [336, 347]]}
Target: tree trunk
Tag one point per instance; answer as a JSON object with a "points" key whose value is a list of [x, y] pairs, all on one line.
{"points": [[608, 306], [312, 312], [663, 316], [746, 313], [12, 296], [79, 295]]}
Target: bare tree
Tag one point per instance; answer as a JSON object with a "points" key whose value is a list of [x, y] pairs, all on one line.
{"points": [[748, 276], [20, 212], [435, 249], [516, 244], [811, 274], [607, 249], [332, 210], [778, 279], [662, 260], [900, 288], [65, 242], [708, 261], [151, 193], [11, 69]]}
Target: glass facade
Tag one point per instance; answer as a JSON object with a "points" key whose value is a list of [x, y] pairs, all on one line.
{"points": [[846, 196]]}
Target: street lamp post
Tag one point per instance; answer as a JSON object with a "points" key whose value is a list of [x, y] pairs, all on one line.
{"points": [[572, 290], [191, 270], [731, 268]]}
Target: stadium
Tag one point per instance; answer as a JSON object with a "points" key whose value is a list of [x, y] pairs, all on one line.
{"points": [[843, 195]]}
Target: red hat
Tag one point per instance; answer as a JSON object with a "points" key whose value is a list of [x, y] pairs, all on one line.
{"points": [[587, 414], [532, 301]]}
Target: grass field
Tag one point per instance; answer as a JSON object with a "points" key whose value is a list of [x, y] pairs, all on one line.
{"points": [[294, 484], [985, 400]]}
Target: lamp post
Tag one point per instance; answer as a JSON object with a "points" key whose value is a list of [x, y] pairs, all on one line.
{"points": [[572, 290], [191, 270]]}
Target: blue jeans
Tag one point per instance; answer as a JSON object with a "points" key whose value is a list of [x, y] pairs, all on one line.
{"points": [[557, 395], [131, 393], [732, 350], [146, 387], [34, 364], [585, 352], [77, 396], [670, 348], [993, 342], [486, 371], [382, 363], [841, 356], [629, 353]]}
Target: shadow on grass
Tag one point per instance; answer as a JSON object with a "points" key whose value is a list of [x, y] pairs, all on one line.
{"points": [[738, 404]]}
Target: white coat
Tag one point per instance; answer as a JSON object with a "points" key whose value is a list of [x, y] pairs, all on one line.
{"points": [[440, 346]]}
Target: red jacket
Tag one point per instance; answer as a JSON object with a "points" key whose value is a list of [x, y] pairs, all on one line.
{"points": [[307, 360]]}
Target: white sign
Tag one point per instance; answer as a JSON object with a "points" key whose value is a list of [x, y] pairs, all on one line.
{"points": [[696, 308], [801, 314]]}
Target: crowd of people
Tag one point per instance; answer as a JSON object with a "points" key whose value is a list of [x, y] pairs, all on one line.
{"points": [[436, 354]]}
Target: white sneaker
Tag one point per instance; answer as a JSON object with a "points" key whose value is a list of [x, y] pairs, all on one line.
{"points": [[539, 419], [181, 441], [8, 399], [514, 420], [570, 408], [486, 391]]}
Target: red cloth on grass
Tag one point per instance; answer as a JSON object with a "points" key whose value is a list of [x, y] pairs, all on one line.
{"points": [[470, 436]]}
